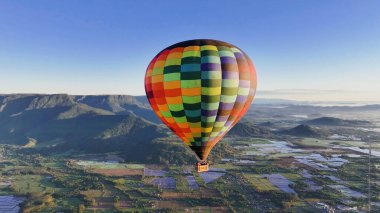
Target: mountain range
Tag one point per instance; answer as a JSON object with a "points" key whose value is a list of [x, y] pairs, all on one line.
{"points": [[107, 123], [53, 119], [331, 121]]}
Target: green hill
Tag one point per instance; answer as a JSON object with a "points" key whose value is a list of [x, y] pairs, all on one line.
{"points": [[61, 117], [304, 131], [248, 129], [120, 104], [97, 124]]}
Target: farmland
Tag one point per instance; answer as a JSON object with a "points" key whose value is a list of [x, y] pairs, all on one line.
{"points": [[270, 167], [259, 183], [297, 176]]}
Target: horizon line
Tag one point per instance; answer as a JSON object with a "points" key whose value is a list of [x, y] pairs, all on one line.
{"points": [[257, 97]]}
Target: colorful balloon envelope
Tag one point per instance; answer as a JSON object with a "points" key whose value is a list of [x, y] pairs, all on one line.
{"points": [[200, 89]]}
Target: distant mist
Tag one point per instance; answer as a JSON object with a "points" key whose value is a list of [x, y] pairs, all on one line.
{"points": [[337, 96]]}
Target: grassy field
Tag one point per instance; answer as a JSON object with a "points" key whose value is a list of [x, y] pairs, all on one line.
{"points": [[247, 141], [112, 169], [29, 184], [321, 143], [292, 176], [259, 183], [313, 142], [106, 165]]}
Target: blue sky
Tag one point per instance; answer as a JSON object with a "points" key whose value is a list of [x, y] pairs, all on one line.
{"points": [[103, 47]]}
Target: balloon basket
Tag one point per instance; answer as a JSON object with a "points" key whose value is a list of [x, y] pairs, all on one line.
{"points": [[201, 166]]}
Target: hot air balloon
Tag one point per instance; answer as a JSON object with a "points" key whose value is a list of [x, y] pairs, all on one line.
{"points": [[200, 89]]}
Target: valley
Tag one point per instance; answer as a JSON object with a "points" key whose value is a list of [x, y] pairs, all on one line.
{"points": [[106, 159]]}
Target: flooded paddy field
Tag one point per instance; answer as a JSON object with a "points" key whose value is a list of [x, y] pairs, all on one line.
{"points": [[210, 176], [10, 204], [347, 191], [280, 182]]}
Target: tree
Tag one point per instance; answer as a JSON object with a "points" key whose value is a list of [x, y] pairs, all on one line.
{"points": [[93, 202], [48, 199], [116, 202], [81, 208]]}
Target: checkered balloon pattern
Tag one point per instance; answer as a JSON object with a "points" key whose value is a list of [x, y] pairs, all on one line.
{"points": [[200, 89]]}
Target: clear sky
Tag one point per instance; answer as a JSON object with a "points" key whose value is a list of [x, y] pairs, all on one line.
{"points": [[103, 47]]}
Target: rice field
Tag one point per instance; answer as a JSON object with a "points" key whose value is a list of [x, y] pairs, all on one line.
{"points": [[317, 161], [201, 193], [90, 194], [108, 165], [292, 176], [10, 204], [164, 182], [119, 172], [192, 182], [261, 184], [209, 177], [112, 168], [347, 191], [213, 169], [280, 182], [312, 185], [154, 173], [312, 142], [271, 148]]}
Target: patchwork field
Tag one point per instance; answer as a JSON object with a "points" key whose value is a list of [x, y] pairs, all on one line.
{"points": [[260, 183], [301, 176]]}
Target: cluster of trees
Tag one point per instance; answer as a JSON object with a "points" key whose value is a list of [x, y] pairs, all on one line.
{"points": [[286, 200], [36, 202]]}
